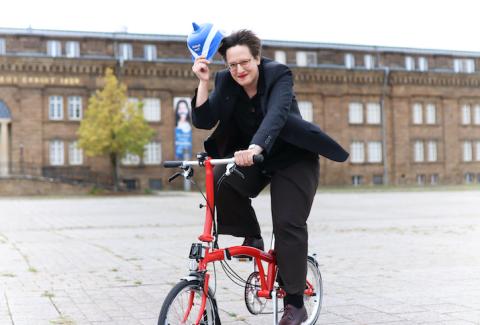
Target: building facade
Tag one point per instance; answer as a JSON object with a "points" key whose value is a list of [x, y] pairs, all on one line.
{"points": [[407, 116]]}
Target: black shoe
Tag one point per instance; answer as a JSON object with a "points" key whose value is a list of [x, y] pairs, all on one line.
{"points": [[293, 315], [251, 242], [254, 242]]}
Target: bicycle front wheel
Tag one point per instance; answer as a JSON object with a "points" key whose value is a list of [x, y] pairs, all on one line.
{"points": [[182, 305], [313, 294]]}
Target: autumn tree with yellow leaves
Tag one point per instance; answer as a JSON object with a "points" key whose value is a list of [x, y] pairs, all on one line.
{"points": [[112, 126]]}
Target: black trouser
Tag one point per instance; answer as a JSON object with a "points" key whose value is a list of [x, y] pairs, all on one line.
{"points": [[292, 191]]}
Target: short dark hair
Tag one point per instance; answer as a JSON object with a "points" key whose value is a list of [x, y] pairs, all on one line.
{"points": [[241, 37]]}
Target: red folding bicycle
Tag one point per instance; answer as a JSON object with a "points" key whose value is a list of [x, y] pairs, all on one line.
{"points": [[192, 301]]}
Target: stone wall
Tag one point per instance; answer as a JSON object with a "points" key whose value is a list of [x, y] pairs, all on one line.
{"points": [[15, 186]]}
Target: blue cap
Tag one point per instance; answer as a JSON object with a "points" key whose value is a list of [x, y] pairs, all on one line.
{"points": [[204, 40]]}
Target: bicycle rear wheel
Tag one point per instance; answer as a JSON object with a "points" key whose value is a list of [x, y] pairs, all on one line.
{"points": [[182, 305], [313, 295]]}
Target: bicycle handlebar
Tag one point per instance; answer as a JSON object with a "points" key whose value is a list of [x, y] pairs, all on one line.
{"points": [[257, 159]]}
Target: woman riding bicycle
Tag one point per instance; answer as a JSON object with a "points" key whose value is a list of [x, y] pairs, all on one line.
{"points": [[257, 111]]}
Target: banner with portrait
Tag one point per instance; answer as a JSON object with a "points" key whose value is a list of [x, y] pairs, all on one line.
{"points": [[183, 128]]}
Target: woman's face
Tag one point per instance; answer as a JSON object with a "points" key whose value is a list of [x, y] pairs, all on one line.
{"points": [[182, 111], [242, 65]]}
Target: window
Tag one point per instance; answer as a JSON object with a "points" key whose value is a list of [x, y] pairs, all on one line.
{"points": [[418, 155], [56, 153], [75, 154], [125, 51], [150, 52], [74, 108], [476, 115], [417, 112], [432, 151], [373, 113], [421, 178], [464, 65], [2, 46], [355, 113], [151, 109], [281, 56], [377, 179], [467, 151], [306, 110], [306, 59], [54, 48], [477, 151], [466, 115], [431, 114], [153, 154], [469, 178], [131, 160], [349, 61], [375, 152], [55, 111], [357, 180], [434, 179], [155, 183], [369, 61], [409, 63], [422, 63], [358, 152], [72, 49]]}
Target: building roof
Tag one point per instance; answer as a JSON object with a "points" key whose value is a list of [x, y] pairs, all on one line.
{"points": [[273, 43], [4, 111]]}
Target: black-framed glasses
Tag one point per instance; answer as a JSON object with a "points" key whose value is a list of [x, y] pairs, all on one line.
{"points": [[233, 66]]}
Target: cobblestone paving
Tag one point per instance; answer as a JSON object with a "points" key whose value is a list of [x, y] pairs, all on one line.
{"points": [[386, 258]]}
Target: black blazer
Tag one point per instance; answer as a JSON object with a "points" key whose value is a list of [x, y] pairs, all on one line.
{"points": [[281, 116]]}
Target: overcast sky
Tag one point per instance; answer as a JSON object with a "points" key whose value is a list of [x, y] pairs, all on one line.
{"points": [[441, 24]]}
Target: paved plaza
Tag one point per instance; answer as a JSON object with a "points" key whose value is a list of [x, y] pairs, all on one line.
{"points": [[386, 258]]}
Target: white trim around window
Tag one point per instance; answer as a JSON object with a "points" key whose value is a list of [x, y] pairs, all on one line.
{"points": [[418, 152], [153, 153], [131, 159], [72, 49], [417, 113], [409, 63], [281, 57], [125, 51], [369, 61], [355, 113], [349, 61], [374, 152], [2, 47], [150, 52], [431, 114], [467, 151], [432, 151], [54, 48], [466, 114], [374, 114], [75, 154], [152, 109], [75, 108], [357, 149], [56, 153], [55, 108], [306, 110]]}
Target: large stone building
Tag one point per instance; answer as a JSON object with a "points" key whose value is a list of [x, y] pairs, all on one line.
{"points": [[407, 116]]}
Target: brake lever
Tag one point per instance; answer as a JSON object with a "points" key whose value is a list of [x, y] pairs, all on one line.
{"points": [[171, 178], [232, 168]]}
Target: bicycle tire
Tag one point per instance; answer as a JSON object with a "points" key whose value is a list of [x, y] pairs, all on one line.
{"points": [[313, 304], [210, 315]]}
